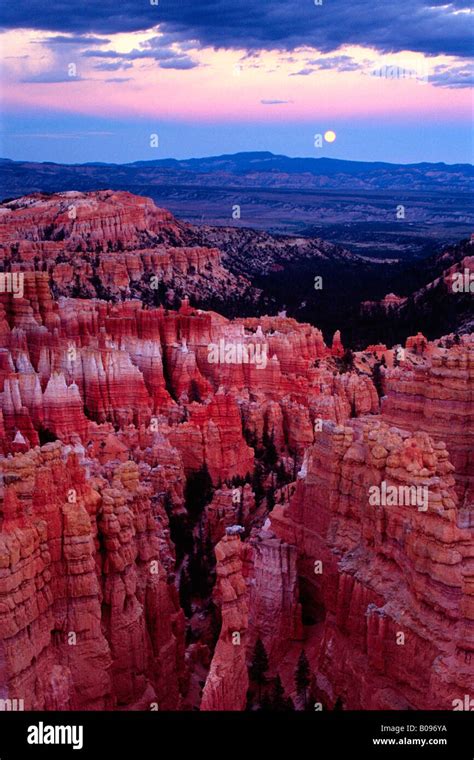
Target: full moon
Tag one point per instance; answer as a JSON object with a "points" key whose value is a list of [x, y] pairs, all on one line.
{"points": [[329, 136]]}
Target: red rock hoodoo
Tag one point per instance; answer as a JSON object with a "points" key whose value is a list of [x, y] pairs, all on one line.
{"points": [[177, 485]]}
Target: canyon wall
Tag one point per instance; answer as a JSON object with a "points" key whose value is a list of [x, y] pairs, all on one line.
{"points": [[433, 390], [89, 616], [390, 585]]}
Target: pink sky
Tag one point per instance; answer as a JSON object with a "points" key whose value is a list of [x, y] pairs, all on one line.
{"points": [[224, 86]]}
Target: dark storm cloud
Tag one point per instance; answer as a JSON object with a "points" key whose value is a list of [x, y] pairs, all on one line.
{"points": [[428, 26]]}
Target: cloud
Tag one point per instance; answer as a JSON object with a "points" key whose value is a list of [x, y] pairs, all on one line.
{"points": [[456, 77], [337, 62], [428, 26], [302, 73], [166, 57], [274, 102], [166, 39], [59, 135], [51, 77], [132, 55], [183, 62], [334, 63], [113, 66], [77, 39]]}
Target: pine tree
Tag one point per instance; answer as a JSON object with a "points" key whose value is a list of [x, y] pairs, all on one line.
{"points": [[270, 498], [302, 677], [266, 703], [259, 666], [194, 392], [282, 477], [347, 360], [185, 593], [270, 456], [198, 492], [257, 483], [377, 376], [279, 702]]}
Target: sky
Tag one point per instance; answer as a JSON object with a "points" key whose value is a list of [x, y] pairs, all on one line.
{"points": [[126, 80]]}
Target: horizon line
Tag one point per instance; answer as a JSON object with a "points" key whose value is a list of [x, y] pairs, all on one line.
{"points": [[232, 155]]}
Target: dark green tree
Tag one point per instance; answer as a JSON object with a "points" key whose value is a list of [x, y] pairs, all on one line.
{"points": [[194, 392], [377, 376], [270, 457], [279, 702], [302, 677], [282, 477], [259, 666], [347, 360], [257, 483], [202, 565], [198, 492], [185, 592], [270, 498]]}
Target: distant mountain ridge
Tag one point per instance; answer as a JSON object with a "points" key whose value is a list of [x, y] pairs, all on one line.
{"points": [[248, 169], [267, 161]]}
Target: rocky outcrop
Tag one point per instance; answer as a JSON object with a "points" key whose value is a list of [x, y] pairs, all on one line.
{"points": [[89, 617], [227, 683], [112, 244], [275, 610], [385, 571], [437, 303], [67, 364], [433, 390], [229, 506]]}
